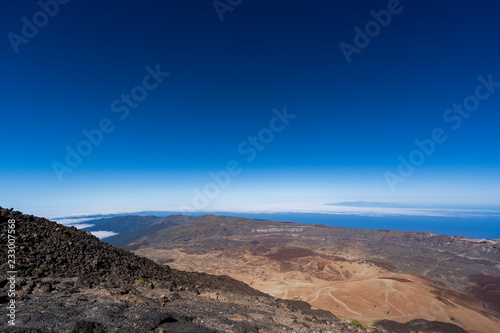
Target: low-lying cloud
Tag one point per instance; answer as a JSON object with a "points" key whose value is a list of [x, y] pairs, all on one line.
{"points": [[79, 223], [103, 234]]}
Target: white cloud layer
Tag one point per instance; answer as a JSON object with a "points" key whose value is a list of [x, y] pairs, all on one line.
{"points": [[103, 234]]}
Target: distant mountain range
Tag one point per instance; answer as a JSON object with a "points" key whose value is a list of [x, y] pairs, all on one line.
{"points": [[449, 220], [133, 227]]}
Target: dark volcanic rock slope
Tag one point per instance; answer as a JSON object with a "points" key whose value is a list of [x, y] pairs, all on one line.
{"points": [[69, 281], [47, 249]]}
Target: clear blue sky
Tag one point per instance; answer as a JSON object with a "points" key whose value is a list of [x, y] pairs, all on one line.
{"points": [[353, 120]]}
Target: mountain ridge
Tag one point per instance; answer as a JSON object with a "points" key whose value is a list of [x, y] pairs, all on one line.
{"points": [[489, 249]]}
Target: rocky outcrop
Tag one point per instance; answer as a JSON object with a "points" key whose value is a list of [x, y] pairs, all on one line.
{"points": [[419, 325]]}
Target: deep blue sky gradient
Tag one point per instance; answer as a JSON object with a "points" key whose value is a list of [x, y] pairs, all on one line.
{"points": [[353, 120]]}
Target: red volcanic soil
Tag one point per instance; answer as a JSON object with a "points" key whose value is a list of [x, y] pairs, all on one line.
{"points": [[487, 290]]}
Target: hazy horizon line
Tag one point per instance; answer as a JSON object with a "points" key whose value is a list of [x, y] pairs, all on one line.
{"points": [[362, 208]]}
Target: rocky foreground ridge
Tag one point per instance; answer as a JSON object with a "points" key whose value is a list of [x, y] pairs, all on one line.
{"points": [[69, 281]]}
